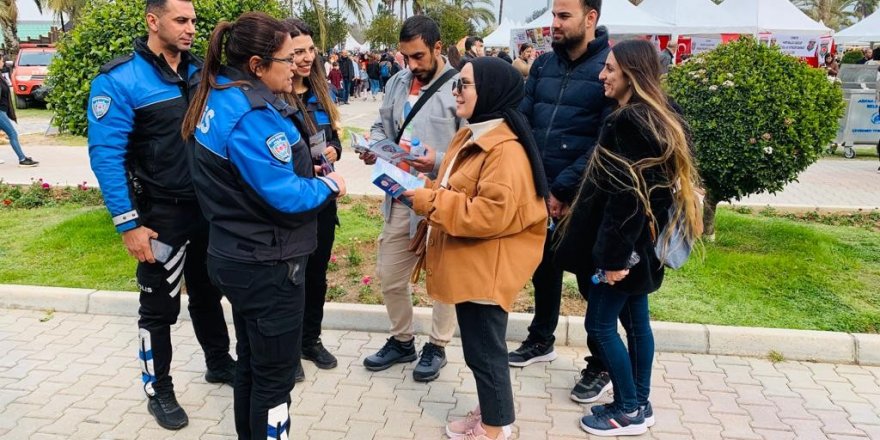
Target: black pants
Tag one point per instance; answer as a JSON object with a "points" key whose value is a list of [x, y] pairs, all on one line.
{"points": [[548, 299], [483, 330], [267, 309], [316, 276], [184, 228]]}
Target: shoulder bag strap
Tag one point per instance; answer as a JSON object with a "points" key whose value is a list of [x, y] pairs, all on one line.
{"points": [[423, 99]]}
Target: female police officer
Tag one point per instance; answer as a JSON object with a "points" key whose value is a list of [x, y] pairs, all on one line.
{"points": [[318, 115], [255, 180]]}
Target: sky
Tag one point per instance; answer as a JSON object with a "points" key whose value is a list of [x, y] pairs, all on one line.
{"points": [[516, 10]]}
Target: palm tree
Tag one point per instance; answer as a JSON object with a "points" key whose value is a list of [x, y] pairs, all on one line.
{"points": [[70, 7], [9, 22], [864, 8], [478, 12], [356, 7], [835, 14]]}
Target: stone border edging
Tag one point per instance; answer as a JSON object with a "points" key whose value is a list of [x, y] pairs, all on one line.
{"points": [[806, 345]]}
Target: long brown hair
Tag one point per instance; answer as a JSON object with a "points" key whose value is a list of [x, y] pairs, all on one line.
{"points": [[252, 34], [650, 109], [317, 82]]}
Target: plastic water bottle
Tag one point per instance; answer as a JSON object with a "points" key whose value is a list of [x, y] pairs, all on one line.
{"points": [[599, 276], [416, 149]]}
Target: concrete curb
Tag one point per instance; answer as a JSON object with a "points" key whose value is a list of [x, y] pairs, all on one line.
{"points": [[805, 345]]}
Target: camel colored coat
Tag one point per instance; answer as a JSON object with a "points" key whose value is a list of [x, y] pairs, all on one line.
{"points": [[488, 226]]}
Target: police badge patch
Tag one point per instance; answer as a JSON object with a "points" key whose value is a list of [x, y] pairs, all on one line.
{"points": [[101, 105], [279, 146]]}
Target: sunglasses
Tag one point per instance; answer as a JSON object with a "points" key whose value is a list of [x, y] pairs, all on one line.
{"points": [[457, 86]]}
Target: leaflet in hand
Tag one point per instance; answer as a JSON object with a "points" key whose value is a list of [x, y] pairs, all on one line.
{"points": [[385, 149], [395, 181]]}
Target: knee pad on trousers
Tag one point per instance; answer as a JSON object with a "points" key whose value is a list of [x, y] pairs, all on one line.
{"points": [[145, 354], [278, 422]]}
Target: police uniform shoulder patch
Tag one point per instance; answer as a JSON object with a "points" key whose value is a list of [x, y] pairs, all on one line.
{"points": [[279, 146], [101, 105]]}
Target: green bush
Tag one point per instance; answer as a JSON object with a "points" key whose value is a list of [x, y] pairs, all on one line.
{"points": [[759, 118], [106, 30], [852, 56]]}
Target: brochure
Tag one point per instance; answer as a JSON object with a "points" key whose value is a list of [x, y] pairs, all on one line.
{"points": [[385, 149], [395, 181]]}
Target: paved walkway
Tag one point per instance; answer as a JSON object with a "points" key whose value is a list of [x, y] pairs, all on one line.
{"points": [[75, 376], [830, 183]]}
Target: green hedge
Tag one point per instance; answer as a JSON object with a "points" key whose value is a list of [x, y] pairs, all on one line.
{"points": [[759, 117], [106, 30]]}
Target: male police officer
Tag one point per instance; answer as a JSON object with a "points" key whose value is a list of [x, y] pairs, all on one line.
{"points": [[136, 107]]}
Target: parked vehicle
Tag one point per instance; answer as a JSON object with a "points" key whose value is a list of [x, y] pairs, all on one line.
{"points": [[29, 73]]}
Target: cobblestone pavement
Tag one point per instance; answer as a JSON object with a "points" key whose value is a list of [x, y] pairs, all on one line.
{"points": [[75, 376]]}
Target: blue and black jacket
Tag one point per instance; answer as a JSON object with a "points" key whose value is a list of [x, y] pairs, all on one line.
{"points": [[136, 107], [321, 120], [565, 103], [254, 176]]}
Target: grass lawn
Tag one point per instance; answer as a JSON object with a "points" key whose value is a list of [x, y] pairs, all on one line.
{"points": [[762, 271]]}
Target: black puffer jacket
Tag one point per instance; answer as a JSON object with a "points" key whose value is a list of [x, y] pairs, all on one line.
{"points": [[565, 103], [608, 224]]}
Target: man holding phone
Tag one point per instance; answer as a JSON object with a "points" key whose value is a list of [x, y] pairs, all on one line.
{"points": [[136, 107]]}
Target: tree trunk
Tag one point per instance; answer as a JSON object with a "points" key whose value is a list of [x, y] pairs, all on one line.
{"points": [[500, 11], [10, 38], [710, 205]]}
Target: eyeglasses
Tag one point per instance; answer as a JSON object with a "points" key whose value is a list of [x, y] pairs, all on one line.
{"points": [[457, 85], [290, 61]]}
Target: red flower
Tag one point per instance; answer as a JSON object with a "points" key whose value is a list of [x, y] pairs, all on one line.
{"points": [[333, 259], [45, 185], [7, 202], [367, 280]]}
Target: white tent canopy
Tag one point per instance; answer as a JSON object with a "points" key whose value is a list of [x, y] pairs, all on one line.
{"points": [[693, 17], [500, 37], [867, 30], [353, 45], [621, 18], [775, 16]]}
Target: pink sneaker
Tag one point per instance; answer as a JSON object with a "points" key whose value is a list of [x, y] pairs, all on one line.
{"points": [[470, 427]]}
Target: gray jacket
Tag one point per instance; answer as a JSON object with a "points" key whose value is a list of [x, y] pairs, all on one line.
{"points": [[435, 124]]}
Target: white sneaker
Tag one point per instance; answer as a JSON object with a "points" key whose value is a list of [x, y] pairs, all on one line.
{"points": [[2, 161]]}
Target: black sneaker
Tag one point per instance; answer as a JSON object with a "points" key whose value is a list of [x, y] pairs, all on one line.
{"points": [[168, 413], [28, 163], [222, 375], [530, 352], [391, 353], [319, 355], [433, 358], [299, 375], [646, 410], [592, 384], [614, 423]]}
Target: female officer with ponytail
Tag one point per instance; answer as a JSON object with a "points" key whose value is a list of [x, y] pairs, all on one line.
{"points": [[255, 181], [317, 113]]}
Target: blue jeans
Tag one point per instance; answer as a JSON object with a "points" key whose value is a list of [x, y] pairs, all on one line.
{"points": [[9, 129], [346, 89], [375, 86], [630, 371]]}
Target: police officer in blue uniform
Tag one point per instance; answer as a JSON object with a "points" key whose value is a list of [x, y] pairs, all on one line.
{"points": [[256, 183], [318, 115], [136, 106]]}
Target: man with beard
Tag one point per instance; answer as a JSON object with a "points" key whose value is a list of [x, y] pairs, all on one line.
{"points": [[565, 103], [434, 124], [135, 112]]}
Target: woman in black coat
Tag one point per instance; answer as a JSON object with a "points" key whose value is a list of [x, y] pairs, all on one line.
{"points": [[641, 167]]}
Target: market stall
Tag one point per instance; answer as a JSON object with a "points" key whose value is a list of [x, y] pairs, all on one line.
{"points": [[865, 31]]}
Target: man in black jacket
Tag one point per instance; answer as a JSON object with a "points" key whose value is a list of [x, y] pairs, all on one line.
{"points": [[565, 103], [347, 69]]}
